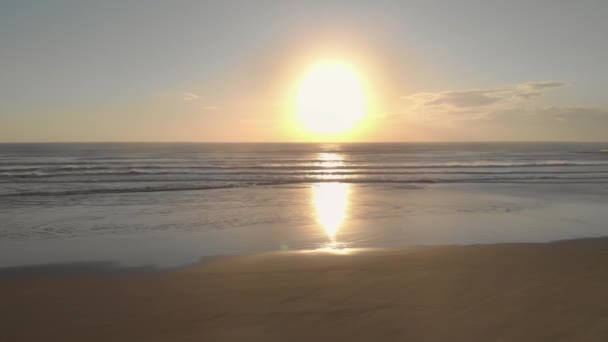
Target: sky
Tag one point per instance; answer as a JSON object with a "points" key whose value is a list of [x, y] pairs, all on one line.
{"points": [[227, 70]]}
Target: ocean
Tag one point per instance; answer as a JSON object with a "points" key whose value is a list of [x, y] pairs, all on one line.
{"points": [[173, 203]]}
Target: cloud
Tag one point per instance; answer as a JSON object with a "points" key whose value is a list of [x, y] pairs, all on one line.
{"points": [[492, 104], [544, 85], [473, 104], [528, 94], [464, 98], [191, 97], [461, 99], [508, 113], [529, 90], [554, 113]]}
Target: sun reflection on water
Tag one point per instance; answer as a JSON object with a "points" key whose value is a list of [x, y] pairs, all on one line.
{"points": [[330, 159], [331, 201]]}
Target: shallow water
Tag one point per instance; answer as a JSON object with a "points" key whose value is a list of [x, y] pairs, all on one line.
{"points": [[64, 212], [172, 229]]}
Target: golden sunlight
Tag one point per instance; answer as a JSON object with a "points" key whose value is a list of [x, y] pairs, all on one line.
{"points": [[330, 159], [330, 99], [330, 201]]}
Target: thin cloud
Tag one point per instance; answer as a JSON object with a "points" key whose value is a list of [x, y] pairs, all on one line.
{"points": [[500, 114], [467, 98], [544, 85], [191, 97], [529, 90], [528, 94], [456, 100]]}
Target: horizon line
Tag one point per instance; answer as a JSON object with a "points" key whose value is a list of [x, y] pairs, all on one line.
{"points": [[305, 142]]}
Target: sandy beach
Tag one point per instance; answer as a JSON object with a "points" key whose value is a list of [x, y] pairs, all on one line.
{"points": [[504, 292]]}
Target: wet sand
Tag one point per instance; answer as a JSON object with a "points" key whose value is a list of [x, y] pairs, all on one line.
{"points": [[506, 292]]}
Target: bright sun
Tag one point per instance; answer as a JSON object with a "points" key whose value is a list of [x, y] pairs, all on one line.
{"points": [[330, 99]]}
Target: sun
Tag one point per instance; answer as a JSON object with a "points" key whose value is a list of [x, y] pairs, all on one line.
{"points": [[330, 99]]}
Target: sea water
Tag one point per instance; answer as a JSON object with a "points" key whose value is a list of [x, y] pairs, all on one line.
{"points": [[172, 203]]}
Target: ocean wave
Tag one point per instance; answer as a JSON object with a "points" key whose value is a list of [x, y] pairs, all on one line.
{"points": [[223, 184], [136, 174], [141, 169], [292, 164]]}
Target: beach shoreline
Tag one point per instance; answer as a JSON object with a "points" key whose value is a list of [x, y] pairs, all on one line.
{"points": [[516, 291]]}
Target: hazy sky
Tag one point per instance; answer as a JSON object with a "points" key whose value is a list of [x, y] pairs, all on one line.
{"points": [[224, 70]]}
